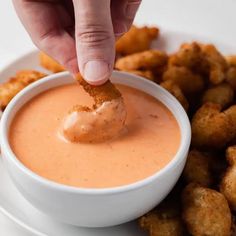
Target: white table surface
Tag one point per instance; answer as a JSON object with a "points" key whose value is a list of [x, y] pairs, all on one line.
{"points": [[211, 18]]}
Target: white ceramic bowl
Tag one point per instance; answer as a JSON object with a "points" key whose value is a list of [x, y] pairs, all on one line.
{"points": [[95, 207]]}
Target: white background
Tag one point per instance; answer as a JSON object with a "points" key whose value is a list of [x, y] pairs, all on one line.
{"points": [[211, 18]]}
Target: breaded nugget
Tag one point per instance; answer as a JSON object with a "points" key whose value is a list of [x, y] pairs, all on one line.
{"points": [[211, 128], [216, 62], [14, 85], [100, 94], [231, 72], [189, 55], [147, 60], [165, 220], [204, 59], [205, 212], [222, 94], [231, 60], [184, 78], [100, 123], [228, 183], [136, 40], [197, 168], [148, 74], [49, 63], [175, 90]]}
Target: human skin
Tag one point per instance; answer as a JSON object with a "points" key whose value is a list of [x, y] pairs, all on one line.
{"points": [[79, 34]]}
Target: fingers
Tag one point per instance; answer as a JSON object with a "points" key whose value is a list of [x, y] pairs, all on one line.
{"points": [[94, 40], [123, 14], [48, 24]]}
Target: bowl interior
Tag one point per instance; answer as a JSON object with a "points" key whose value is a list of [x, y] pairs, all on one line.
{"points": [[119, 78]]}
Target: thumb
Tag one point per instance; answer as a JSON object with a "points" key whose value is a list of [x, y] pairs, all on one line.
{"points": [[95, 40]]}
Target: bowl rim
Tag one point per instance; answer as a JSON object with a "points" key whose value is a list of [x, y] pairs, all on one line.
{"points": [[179, 156]]}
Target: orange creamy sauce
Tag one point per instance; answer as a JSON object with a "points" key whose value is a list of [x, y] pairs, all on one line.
{"points": [[149, 142]]}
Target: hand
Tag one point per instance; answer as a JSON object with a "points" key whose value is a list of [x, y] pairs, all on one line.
{"points": [[79, 34]]}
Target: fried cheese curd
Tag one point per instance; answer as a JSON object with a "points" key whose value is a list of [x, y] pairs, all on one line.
{"points": [[205, 211], [15, 84], [203, 59], [222, 94], [164, 220], [137, 39], [102, 122], [228, 183], [175, 90], [213, 128], [231, 72], [198, 168], [49, 63]]}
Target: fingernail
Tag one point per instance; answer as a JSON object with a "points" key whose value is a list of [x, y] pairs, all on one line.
{"points": [[120, 29], [96, 72], [131, 9]]}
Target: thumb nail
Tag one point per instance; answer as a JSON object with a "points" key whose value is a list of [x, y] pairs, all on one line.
{"points": [[96, 72]]}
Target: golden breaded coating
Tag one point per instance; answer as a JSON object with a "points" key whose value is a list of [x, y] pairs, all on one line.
{"points": [[205, 212], [147, 60], [231, 77], [165, 220], [204, 59], [221, 94], [136, 40], [14, 85], [175, 90], [148, 74], [184, 78], [211, 128], [228, 183], [197, 169], [231, 60], [189, 55], [231, 72], [49, 63], [216, 62], [100, 94]]}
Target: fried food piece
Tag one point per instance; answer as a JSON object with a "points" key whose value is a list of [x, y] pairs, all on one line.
{"points": [[175, 90], [216, 63], [148, 74], [102, 122], [189, 55], [212, 128], [147, 60], [231, 72], [165, 220], [136, 40], [231, 60], [197, 168], [205, 211], [221, 94], [203, 59], [49, 63], [184, 78], [14, 85], [228, 183]]}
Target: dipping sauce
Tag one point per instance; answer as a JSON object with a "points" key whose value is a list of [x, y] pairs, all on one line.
{"points": [[150, 140]]}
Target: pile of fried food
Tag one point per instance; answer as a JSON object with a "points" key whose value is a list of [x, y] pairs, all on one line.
{"points": [[203, 202]]}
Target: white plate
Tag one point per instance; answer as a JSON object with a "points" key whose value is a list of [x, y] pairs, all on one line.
{"points": [[13, 205]]}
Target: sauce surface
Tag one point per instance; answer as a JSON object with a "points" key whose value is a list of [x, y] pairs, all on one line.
{"points": [[149, 142]]}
